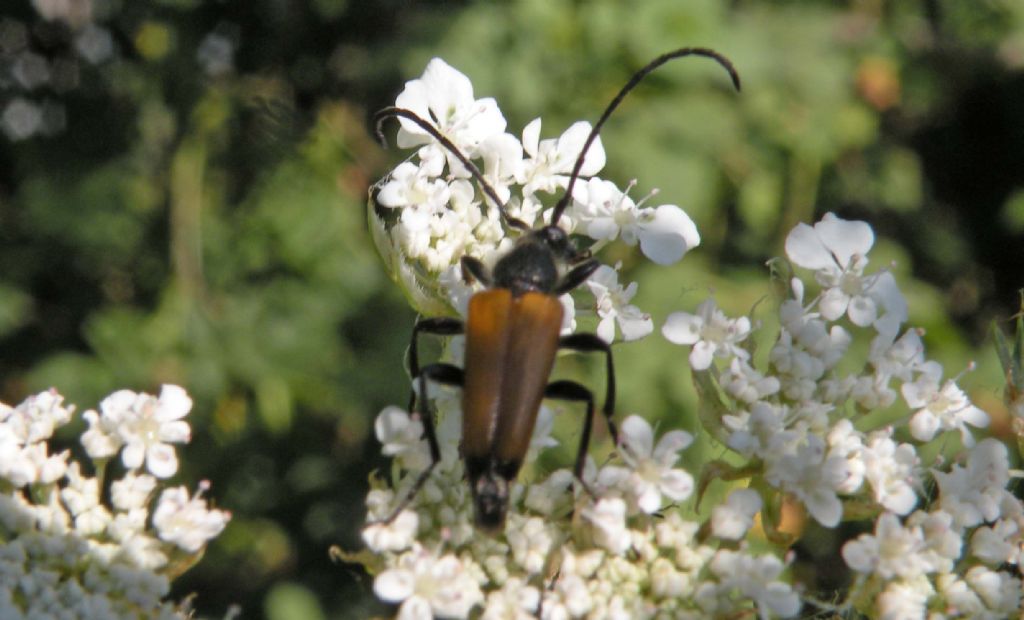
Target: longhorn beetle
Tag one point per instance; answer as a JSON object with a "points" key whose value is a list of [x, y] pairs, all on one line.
{"points": [[512, 334]]}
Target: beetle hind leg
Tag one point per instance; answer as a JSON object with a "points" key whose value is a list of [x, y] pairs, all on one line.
{"points": [[446, 374], [572, 391], [592, 343]]}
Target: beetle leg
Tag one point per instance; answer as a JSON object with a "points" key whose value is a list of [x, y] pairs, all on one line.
{"points": [[473, 269], [441, 373], [572, 391], [576, 276], [590, 343], [440, 326]]}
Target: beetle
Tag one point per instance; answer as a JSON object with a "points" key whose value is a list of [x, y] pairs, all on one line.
{"points": [[512, 335]]}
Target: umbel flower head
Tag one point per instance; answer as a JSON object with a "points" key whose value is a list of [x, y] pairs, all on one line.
{"points": [[69, 553], [428, 213], [639, 535]]}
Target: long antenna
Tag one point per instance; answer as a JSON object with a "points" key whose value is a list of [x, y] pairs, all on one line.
{"points": [[394, 112], [563, 202]]}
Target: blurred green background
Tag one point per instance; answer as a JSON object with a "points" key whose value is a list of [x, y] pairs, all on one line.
{"points": [[183, 187]]}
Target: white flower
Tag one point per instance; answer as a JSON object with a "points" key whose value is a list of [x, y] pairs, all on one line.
{"points": [[133, 491], [24, 430], [552, 494], [428, 586], [82, 498], [732, 519], [906, 598], [891, 470], [758, 431], [649, 474], [977, 493], [613, 306], [898, 358], [999, 543], [445, 96], [711, 333], [402, 438], [1000, 591], [744, 383], [514, 601], [503, 163], [895, 551], [529, 541], [397, 535], [36, 418], [608, 516], [942, 408], [550, 162], [144, 425], [407, 188], [756, 578], [813, 477], [837, 250], [186, 521], [604, 212]]}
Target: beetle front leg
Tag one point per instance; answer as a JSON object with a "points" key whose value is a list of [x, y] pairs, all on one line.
{"points": [[591, 343], [577, 276], [473, 269], [446, 374]]}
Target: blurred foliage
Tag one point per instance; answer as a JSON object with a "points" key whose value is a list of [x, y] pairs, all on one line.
{"points": [[182, 188]]}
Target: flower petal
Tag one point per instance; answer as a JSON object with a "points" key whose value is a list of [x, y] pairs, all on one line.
{"points": [[862, 311], [701, 355], [571, 142], [924, 425], [635, 325], [844, 238], [394, 585], [667, 451], [668, 235], [648, 497], [606, 329], [133, 455], [174, 403], [638, 437], [676, 484], [161, 460], [531, 137], [833, 304], [682, 328], [804, 247]]}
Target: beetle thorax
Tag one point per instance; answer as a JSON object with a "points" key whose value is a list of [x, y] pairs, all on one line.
{"points": [[534, 263]]}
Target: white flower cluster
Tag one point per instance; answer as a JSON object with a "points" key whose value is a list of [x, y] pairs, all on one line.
{"points": [[623, 554], [67, 551], [429, 213], [794, 417]]}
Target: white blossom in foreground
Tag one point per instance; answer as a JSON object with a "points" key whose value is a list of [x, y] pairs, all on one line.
{"points": [[614, 308], [731, 520], [649, 472], [802, 421], [143, 425], [67, 553], [711, 333], [429, 587]]}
